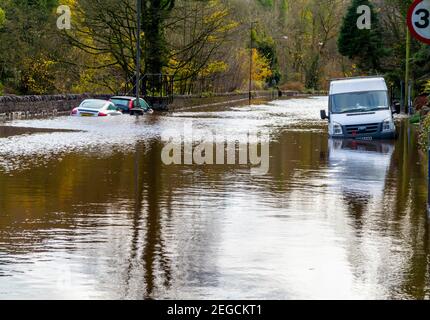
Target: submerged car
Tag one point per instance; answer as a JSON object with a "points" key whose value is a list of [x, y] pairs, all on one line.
{"points": [[96, 108], [359, 109], [128, 104]]}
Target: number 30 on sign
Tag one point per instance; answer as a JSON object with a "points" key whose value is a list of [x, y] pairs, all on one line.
{"points": [[419, 20]]}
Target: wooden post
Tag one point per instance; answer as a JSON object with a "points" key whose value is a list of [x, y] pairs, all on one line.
{"points": [[410, 98], [408, 56]]}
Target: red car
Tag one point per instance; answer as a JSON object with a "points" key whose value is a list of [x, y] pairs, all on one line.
{"points": [[127, 104]]}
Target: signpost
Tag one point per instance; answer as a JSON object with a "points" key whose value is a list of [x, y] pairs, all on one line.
{"points": [[419, 20], [138, 31], [419, 26]]}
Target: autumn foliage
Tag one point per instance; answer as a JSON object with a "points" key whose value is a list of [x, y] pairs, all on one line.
{"points": [[204, 45]]}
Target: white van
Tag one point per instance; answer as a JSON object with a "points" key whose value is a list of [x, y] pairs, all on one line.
{"points": [[359, 109]]}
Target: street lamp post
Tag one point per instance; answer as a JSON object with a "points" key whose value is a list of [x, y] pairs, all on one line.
{"points": [[139, 13], [250, 63]]}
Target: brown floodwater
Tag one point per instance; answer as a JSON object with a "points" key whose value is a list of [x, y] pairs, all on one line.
{"points": [[94, 212]]}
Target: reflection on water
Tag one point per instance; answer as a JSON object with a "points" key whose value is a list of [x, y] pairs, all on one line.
{"points": [[360, 167], [95, 213]]}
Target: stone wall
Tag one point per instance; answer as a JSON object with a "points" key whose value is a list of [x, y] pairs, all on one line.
{"points": [[30, 106], [42, 105], [185, 102]]}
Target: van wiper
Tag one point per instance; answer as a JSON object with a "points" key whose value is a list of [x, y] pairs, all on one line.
{"points": [[364, 110], [378, 108], [355, 110]]}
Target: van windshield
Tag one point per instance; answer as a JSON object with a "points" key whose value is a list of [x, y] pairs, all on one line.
{"points": [[359, 102]]}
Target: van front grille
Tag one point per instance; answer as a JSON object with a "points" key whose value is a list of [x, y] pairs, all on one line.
{"points": [[362, 129]]}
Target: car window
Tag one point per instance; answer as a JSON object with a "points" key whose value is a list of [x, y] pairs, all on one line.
{"points": [[111, 107], [143, 104], [120, 102], [93, 104]]}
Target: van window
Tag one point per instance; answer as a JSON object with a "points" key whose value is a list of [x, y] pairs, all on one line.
{"points": [[358, 102]]}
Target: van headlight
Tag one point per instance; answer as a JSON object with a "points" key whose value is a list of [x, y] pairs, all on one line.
{"points": [[388, 125], [337, 129]]}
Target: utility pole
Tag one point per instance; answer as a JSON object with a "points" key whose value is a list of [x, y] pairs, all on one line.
{"points": [[250, 63], [138, 51], [408, 57]]}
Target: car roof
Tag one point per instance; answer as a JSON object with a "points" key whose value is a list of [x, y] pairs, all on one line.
{"points": [[95, 100], [101, 103], [358, 84], [124, 97]]}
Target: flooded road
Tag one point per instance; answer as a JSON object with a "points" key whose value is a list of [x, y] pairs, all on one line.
{"points": [[94, 212]]}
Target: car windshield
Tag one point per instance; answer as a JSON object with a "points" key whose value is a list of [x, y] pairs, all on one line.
{"points": [[120, 102], [359, 102], [111, 107], [143, 104], [93, 104]]}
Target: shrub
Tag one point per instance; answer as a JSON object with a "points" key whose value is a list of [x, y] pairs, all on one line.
{"points": [[206, 94], [427, 87], [424, 133], [293, 86], [420, 102], [416, 118], [2, 17]]}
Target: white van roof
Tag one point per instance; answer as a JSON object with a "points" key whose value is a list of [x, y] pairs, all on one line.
{"points": [[358, 84]]}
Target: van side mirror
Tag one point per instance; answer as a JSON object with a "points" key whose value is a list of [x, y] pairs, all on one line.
{"points": [[323, 115]]}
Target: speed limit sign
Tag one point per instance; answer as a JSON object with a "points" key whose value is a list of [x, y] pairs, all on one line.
{"points": [[419, 20]]}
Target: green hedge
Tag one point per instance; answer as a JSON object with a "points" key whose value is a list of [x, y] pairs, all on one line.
{"points": [[2, 17], [416, 118], [424, 133]]}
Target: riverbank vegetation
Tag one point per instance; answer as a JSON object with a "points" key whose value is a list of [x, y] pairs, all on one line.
{"points": [[204, 44]]}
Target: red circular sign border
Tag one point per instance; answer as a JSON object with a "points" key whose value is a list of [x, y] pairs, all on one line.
{"points": [[411, 27]]}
